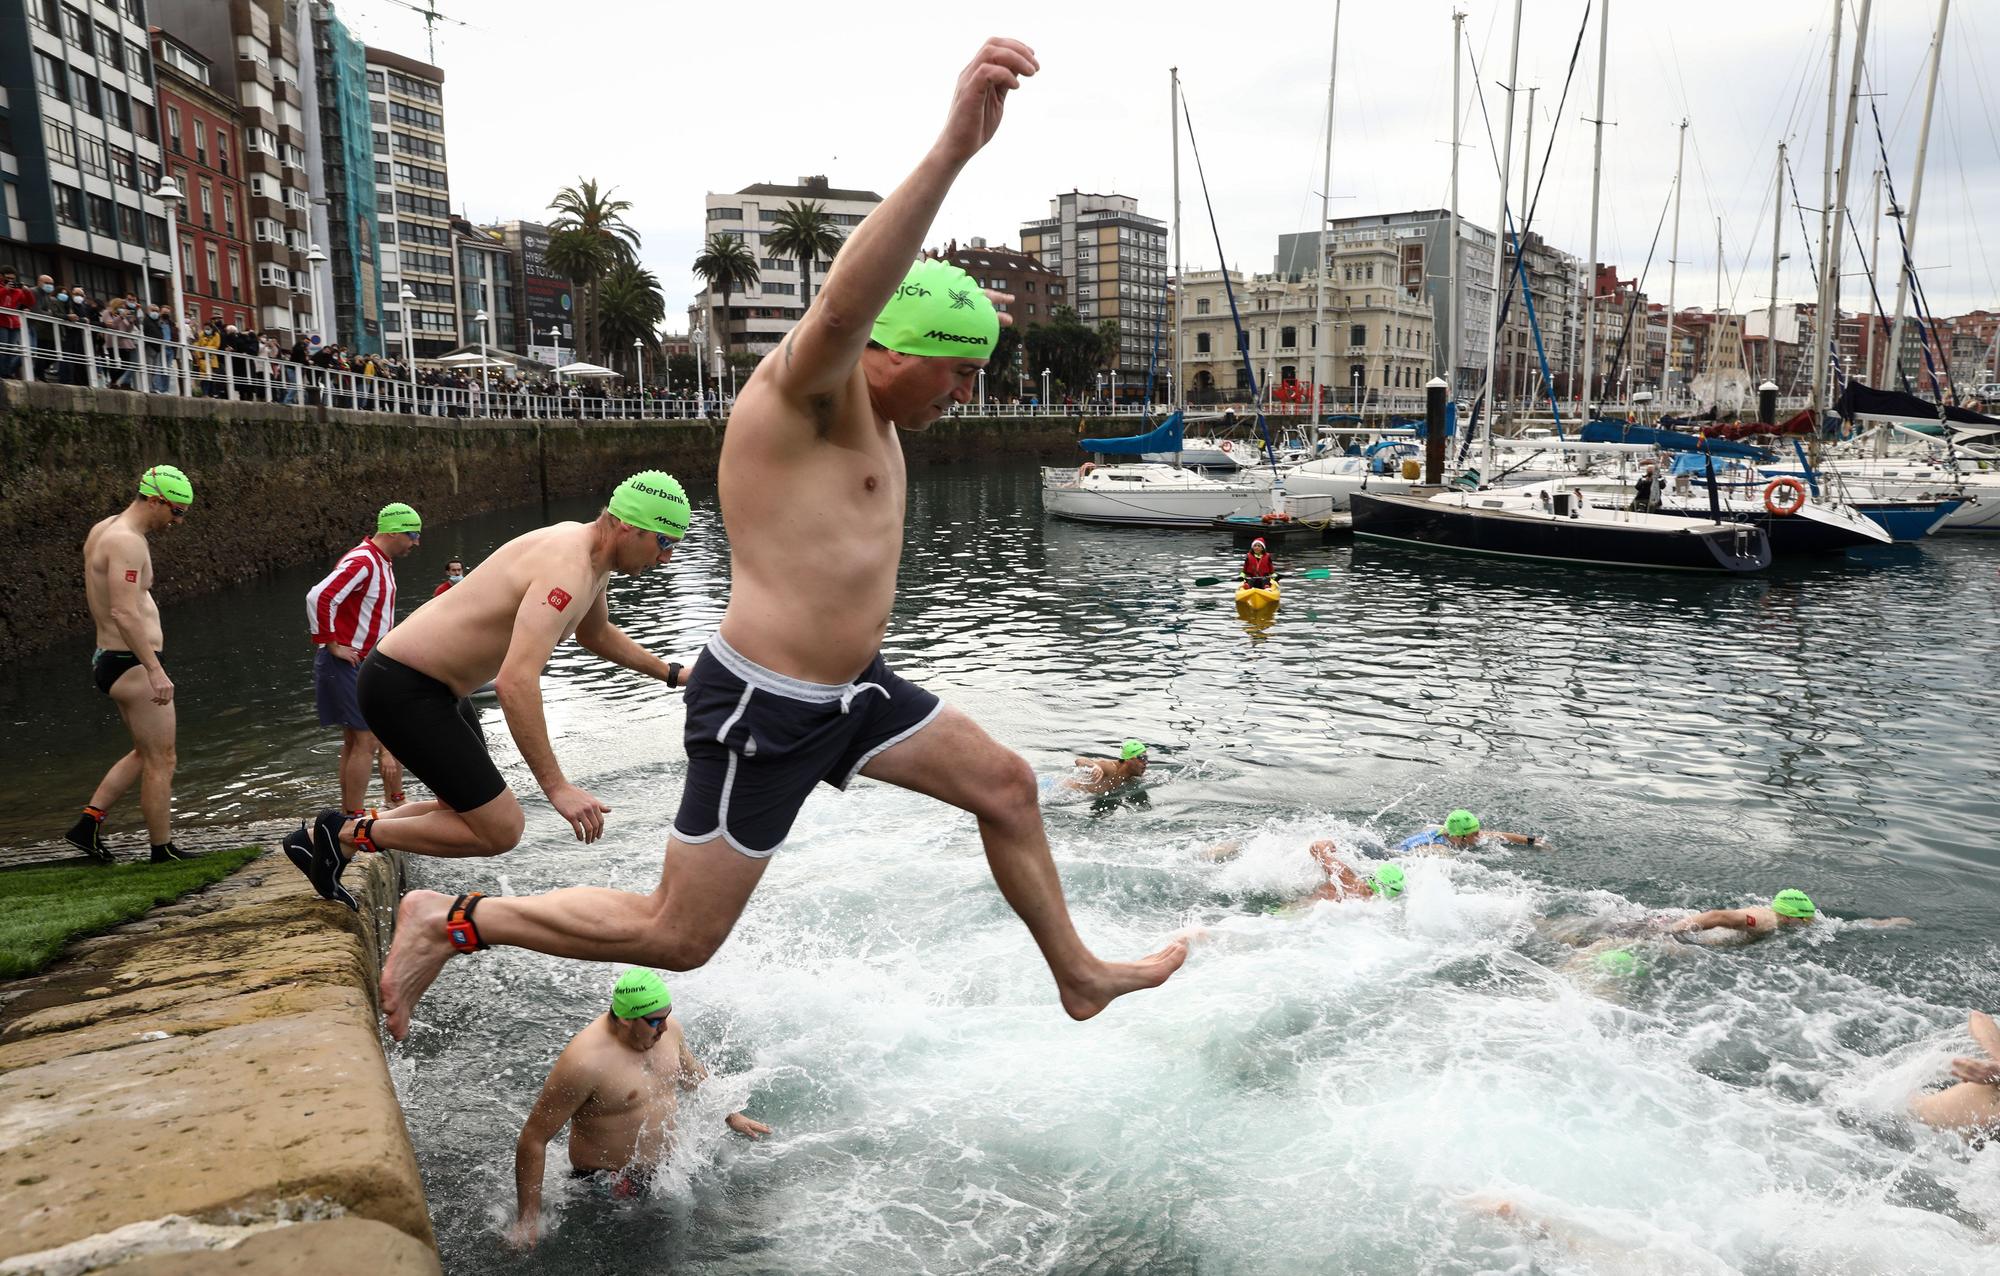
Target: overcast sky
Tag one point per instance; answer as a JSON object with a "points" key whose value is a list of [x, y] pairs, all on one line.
{"points": [[667, 101]]}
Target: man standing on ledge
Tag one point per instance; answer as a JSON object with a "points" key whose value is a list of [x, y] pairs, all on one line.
{"points": [[500, 625], [118, 584], [349, 612], [792, 691]]}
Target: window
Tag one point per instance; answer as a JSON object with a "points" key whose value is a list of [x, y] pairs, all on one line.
{"points": [[1357, 335], [135, 62], [235, 279], [207, 206], [214, 271], [49, 74], [69, 204], [200, 143], [229, 213], [96, 157], [222, 149], [376, 83], [187, 263], [272, 275], [1288, 338], [61, 140], [142, 118], [83, 91], [1262, 335], [267, 231], [787, 290], [725, 214], [156, 233], [103, 217], [76, 29], [108, 46], [1201, 343], [174, 129]]}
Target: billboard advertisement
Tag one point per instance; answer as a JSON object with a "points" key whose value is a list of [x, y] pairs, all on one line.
{"points": [[547, 294]]}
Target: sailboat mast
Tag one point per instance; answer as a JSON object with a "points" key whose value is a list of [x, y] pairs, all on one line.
{"points": [[1840, 197], [1456, 324], [1820, 347], [1320, 265], [1500, 247], [1596, 178], [1875, 267], [1674, 265], [1771, 310], [1894, 372], [1518, 384], [1179, 397]]}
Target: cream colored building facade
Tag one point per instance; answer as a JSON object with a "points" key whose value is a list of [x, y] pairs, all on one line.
{"points": [[1376, 351]]}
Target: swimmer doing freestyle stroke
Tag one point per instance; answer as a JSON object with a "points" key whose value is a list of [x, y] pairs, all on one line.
{"points": [[793, 692]]}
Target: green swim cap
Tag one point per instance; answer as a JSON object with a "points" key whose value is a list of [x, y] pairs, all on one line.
{"points": [[167, 483], [1129, 750], [938, 311], [640, 993], [398, 517], [1388, 881], [1790, 903], [1461, 824], [654, 500], [1618, 961]]}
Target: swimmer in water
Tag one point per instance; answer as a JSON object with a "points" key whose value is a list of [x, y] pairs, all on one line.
{"points": [[1343, 882], [1972, 1106], [617, 1086], [1461, 831], [1104, 774], [1788, 908]]}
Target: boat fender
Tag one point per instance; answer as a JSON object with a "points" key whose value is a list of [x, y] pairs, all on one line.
{"points": [[1784, 508], [1083, 471], [1225, 446]]}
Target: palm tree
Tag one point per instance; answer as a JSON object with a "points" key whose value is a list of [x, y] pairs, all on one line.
{"points": [[727, 265], [630, 306], [594, 223], [805, 232]]}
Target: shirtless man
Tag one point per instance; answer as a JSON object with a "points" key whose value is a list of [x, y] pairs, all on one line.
{"points": [[1342, 881], [1106, 774], [1972, 1107], [1788, 908], [1461, 831], [792, 690], [500, 624], [118, 584], [617, 1086]]}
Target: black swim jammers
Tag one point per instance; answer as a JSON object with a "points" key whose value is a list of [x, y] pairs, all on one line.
{"points": [[430, 730], [757, 743]]}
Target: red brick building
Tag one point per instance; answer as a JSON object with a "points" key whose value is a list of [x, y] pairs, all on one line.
{"points": [[1037, 289], [201, 150]]}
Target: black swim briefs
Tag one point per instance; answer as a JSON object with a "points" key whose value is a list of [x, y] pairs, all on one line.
{"points": [[758, 741], [108, 666], [431, 731]]}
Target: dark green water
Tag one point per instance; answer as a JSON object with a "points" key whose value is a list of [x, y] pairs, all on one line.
{"points": [[1347, 1090]]}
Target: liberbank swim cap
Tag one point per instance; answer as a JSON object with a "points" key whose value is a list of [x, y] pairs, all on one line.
{"points": [[167, 483], [1387, 881], [398, 517], [940, 312], [640, 993], [1461, 824], [654, 500], [1129, 750], [1790, 903]]}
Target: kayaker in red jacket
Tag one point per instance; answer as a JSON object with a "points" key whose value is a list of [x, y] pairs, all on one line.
{"points": [[1258, 567]]}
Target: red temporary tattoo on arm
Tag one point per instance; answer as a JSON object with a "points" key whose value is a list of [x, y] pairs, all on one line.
{"points": [[132, 576], [1750, 921], [558, 599]]}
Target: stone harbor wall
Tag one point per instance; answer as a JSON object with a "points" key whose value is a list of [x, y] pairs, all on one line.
{"points": [[204, 1090], [276, 486]]}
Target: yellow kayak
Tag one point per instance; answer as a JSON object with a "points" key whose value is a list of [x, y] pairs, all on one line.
{"points": [[1265, 597]]}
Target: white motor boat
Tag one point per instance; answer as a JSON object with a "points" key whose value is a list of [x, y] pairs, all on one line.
{"points": [[1913, 479], [1145, 495]]}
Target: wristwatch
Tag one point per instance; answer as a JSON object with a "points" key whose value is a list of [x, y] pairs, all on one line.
{"points": [[674, 668]]}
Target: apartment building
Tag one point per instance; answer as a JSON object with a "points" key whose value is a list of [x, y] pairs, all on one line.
{"points": [[413, 205], [78, 157], [760, 315], [1113, 260], [199, 133]]}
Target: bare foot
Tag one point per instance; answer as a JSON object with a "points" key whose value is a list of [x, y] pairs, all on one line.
{"points": [[420, 950], [1116, 978]]}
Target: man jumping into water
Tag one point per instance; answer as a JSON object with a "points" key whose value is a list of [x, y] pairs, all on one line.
{"points": [[118, 584], [500, 625], [792, 691]]}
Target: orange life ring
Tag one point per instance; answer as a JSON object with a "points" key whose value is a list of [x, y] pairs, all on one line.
{"points": [[1792, 485], [1225, 445]]}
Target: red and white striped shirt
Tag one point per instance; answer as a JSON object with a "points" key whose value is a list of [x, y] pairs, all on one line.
{"points": [[356, 604]]}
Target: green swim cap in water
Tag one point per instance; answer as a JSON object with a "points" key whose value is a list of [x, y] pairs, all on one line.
{"points": [[1461, 824], [167, 483], [1387, 881], [1790, 903], [938, 311], [1129, 750], [398, 517], [654, 500], [1619, 961], [640, 993]]}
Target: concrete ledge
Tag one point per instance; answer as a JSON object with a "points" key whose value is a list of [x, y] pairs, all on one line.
{"points": [[216, 1062]]}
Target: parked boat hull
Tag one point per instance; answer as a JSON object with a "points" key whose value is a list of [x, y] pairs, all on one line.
{"points": [[1515, 534]]}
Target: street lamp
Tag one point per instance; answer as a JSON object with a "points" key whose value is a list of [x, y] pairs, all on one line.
{"points": [[639, 362], [169, 194], [409, 350], [485, 382], [1045, 389], [700, 386], [982, 389], [1114, 390], [314, 260], [718, 376]]}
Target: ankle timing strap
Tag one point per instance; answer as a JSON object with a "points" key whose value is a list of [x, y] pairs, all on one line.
{"points": [[363, 840], [458, 925]]}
